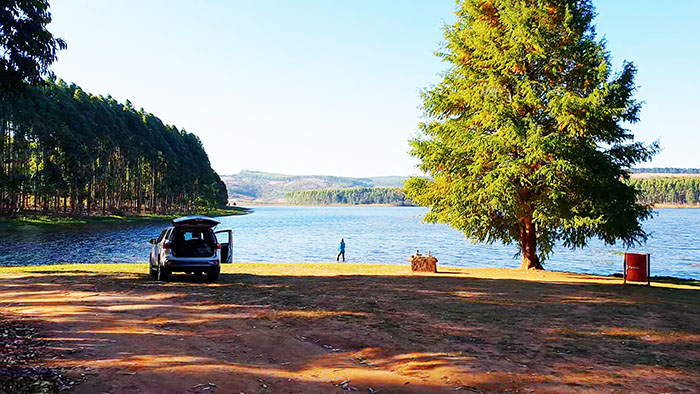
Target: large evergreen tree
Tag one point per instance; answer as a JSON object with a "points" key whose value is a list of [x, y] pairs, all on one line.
{"points": [[525, 136]]}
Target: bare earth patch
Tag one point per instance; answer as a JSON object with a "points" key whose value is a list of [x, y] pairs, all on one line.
{"points": [[305, 328]]}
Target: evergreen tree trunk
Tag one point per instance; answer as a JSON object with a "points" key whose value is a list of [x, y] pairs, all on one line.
{"points": [[528, 245], [153, 190], [89, 197], [139, 186]]}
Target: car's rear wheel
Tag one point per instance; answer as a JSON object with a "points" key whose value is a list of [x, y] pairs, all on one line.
{"points": [[213, 274], [163, 274]]}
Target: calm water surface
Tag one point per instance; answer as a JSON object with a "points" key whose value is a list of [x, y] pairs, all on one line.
{"points": [[372, 235]]}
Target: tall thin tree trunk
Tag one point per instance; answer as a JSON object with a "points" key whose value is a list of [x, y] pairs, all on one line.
{"points": [[89, 197], [139, 186], [153, 190]]}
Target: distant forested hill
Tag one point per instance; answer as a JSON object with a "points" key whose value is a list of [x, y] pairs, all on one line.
{"points": [[263, 187], [351, 196], [665, 186]]}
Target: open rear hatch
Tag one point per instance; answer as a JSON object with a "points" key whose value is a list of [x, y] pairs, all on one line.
{"points": [[195, 221], [193, 237], [193, 241]]}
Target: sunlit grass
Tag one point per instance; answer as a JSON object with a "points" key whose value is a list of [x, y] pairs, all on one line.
{"points": [[68, 221], [343, 269], [264, 269]]}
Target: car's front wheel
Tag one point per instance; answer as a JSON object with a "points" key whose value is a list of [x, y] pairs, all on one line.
{"points": [[152, 272]]}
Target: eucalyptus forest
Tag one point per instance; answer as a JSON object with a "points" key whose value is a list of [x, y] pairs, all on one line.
{"points": [[63, 150], [66, 151], [668, 190]]}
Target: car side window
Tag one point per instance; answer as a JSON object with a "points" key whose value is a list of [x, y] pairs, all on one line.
{"points": [[167, 233], [160, 237]]}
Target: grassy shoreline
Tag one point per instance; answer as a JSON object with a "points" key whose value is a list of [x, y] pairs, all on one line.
{"points": [[69, 221], [341, 269], [675, 206], [287, 204]]}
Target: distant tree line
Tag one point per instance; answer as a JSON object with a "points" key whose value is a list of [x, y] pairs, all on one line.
{"points": [[68, 151], [658, 190], [680, 191], [667, 170], [351, 196]]}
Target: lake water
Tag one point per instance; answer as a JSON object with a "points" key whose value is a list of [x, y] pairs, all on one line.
{"points": [[372, 235]]}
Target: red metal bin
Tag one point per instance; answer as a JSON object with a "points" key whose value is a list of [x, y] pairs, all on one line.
{"points": [[636, 266]]}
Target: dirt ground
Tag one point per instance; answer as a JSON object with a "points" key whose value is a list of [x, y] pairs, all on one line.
{"points": [[324, 328]]}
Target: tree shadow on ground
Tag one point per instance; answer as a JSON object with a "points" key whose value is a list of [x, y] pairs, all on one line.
{"points": [[398, 333]]}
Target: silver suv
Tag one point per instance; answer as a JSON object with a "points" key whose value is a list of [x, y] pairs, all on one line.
{"points": [[191, 246]]}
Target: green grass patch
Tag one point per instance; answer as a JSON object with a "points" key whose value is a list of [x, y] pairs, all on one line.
{"points": [[69, 221]]}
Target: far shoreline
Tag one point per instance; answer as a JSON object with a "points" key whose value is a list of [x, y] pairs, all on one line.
{"points": [[281, 204], [675, 206], [67, 220]]}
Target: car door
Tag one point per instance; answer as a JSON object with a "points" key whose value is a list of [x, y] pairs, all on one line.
{"points": [[225, 239], [161, 251], [155, 250]]}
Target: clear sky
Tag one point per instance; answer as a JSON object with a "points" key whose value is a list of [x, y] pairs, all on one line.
{"points": [[332, 87]]}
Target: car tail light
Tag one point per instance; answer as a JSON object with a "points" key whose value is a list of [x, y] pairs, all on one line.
{"points": [[218, 246], [166, 245]]}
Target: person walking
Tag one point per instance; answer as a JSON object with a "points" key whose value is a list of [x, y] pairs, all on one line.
{"points": [[341, 250]]}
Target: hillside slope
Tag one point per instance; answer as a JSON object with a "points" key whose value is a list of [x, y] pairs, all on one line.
{"points": [[251, 187], [264, 187]]}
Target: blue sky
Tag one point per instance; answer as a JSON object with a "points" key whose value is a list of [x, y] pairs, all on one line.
{"points": [[331, 87]]}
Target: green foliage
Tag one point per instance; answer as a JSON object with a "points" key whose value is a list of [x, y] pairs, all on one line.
{"points": [[27, 48], [351, 196], [64, 150], [524, 138], [660, 190]]}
